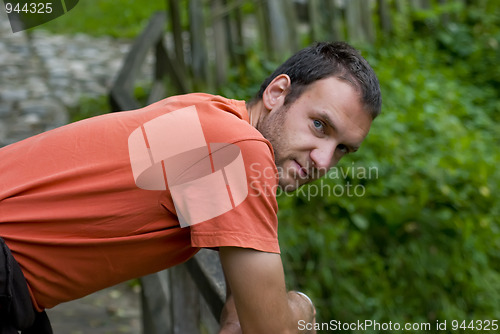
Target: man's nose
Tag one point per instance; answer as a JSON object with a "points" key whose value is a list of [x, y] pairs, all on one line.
{"points": [[323, 156]]}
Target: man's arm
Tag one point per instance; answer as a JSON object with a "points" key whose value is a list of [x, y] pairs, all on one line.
{"points": [[258, 293]]}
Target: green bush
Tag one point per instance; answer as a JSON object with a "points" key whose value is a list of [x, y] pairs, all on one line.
{"points": [[422, 244]]}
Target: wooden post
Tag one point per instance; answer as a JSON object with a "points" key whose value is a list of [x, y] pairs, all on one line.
{"points": [[185, 298], [175, 18], [175, 74], [185, 301], [337, 22], [221, 56], [280, 27], [158, 89], [384, 17], [366, 20], [229, 31], [206, 271], [355, 31], [156, 303], [199, 57], [291, 25], [277, 21], [121, 94], [239, 41], [315, 22], [264, 28]]}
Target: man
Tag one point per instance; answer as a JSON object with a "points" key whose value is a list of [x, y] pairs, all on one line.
{"points": [[123, 195]]}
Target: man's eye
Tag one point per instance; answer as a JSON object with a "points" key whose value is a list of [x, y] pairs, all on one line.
{"points": [[342, 148], [318, 125]]}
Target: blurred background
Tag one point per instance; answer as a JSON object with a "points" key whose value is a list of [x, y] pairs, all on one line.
{"points": [[419, 239]]}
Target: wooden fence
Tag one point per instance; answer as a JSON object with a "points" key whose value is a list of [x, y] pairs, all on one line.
{"points": [[195, 43], [186, 299], [208, 39]]}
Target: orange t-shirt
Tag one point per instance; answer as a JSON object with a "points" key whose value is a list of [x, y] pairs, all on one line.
{"points": [[96, 202]]}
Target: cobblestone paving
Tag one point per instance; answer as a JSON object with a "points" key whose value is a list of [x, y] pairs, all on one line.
{"points": [[41, 76]]}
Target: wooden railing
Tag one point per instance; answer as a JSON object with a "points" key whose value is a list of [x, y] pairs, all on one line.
{"points": [[122, 92], [184, 299], [187, 298], [211, 40]]}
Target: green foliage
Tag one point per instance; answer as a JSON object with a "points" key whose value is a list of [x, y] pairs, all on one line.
{"points": [[116, 18], [89, 107], [244, 83], [423, 241]]}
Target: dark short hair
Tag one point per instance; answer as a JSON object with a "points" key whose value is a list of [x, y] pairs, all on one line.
{"points": [[323, 60]]}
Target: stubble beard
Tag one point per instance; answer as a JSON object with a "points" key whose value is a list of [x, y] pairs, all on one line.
{"points": [[271, 127]]}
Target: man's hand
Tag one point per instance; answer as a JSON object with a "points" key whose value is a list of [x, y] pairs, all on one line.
{"points": [[230, 324], [259, 295], [302, 310]]}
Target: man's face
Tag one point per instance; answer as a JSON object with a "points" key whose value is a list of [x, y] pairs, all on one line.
{"points": [[312, 134]]}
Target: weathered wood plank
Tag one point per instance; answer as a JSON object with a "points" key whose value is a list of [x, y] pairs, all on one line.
{"points": [[206, 270], [220, 43], [355, 31], [156, 298], [384, 17], [185, 306], [173, 70], [315, 20], [366, 21], [121, 94], [199, 56], [175, 18], [279, 29]]}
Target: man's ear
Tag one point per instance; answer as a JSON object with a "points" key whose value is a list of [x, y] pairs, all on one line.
{"points": [[275, 93]]}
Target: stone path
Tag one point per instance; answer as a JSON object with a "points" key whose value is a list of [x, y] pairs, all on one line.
{"points": [[112, 311], [41, 76]]}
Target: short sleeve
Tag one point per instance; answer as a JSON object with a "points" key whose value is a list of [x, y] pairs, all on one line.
{"points": [[253, 222]]}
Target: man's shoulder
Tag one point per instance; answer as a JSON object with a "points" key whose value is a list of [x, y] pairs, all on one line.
{"points": [[223, 120], [202, 101], [209, 119]]}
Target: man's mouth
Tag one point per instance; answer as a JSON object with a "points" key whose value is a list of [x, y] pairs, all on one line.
{"points": [[301, 170]]}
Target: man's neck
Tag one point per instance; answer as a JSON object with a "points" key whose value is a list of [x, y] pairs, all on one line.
{"points": [[254, 112]]}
